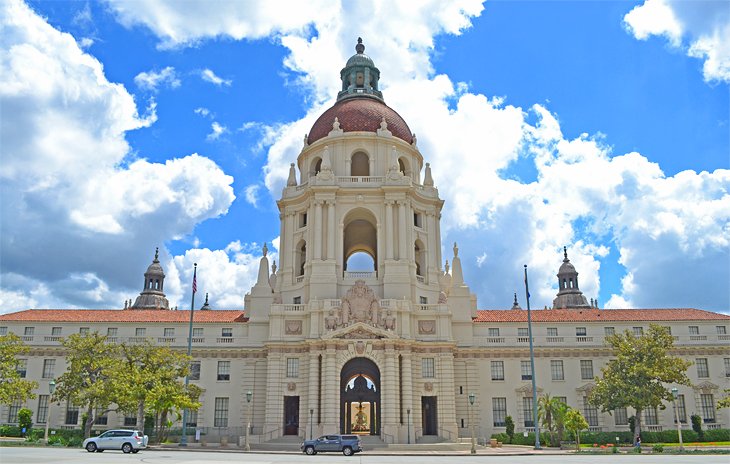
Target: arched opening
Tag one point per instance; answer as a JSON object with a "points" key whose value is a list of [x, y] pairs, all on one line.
{"points": [[404, 167], [360, 242], [419, 253], [360, 164], [300, 258], [315, 167], [360, 397], [360, 262]]}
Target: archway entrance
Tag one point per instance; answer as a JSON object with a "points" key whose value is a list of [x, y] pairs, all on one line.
{"points": [[360, 397]]}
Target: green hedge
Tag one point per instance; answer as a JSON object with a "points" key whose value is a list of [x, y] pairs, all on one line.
{"points": [[520, 439], [604, 438]]}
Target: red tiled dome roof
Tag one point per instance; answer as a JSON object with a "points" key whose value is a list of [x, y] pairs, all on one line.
{"points": [[360, 114]]}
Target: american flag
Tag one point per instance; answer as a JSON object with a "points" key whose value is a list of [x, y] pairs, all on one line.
{"points": [[195, 280]]}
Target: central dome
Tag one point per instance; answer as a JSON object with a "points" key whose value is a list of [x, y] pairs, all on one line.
{"points": [[360, 114]]}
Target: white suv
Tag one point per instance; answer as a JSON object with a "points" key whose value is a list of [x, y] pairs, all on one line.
{"points": [[129, 441]]}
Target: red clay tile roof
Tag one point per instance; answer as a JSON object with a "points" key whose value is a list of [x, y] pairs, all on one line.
{"points": [[122, 315], [360, 114], [598, 315]]}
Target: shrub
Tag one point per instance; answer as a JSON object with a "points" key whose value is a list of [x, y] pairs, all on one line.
{"points": [[510, 426], [697, 426], [632, 426], [657, 448], [25, 419], [9, 431], [717, 435]]}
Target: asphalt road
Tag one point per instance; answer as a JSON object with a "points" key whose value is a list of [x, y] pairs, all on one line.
{"points": [[27, 455]]}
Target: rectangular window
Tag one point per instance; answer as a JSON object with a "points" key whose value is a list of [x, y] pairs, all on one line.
{"points": [[169, 332], [556, 370], [56, 331], [13, 411], [650, 416], [292, 367], [620, 417], [227, 332], [727, 367], [591, 413], [72, 414], [49, 366], [224, 370], [423, 300], [523, 332], [680, 409], [427, 366], [140, 332], [101, 419], [708, 408], [499, 411], [297, 300], [42, 414], [526, 370], [586, 369], [220, 419], [83, 331], [638, 331], [494, 332], [417, 220], [29, 331], [194, 370], [702, 370], [3, 331], [694, 330], [197, 332], [303, 220], [562, 399], [111, 332], [130, 421], [721, 330], [580, 332], [497, 370], [609, 331], [22, 367], [527, 411], [552, 332], [192, 418]]}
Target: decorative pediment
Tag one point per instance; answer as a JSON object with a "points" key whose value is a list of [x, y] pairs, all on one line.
{"points": [[526, 390], [359, 331], [587, 388], [706, 387]]}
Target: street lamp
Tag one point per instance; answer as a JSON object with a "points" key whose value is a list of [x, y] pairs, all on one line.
{"points": [[249, 395], [408, 422], [472, 398], [311, 422], [51, 389], [675, 394]]}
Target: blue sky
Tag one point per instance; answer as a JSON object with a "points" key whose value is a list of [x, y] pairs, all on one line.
{"points": [[602, 126]]}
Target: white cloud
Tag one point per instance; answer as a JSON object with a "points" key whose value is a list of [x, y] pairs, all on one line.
{"points": [[151, 80], [252, 194], [204, 112], [701, 28], [66, 166], [216, 131], [209, 76]]}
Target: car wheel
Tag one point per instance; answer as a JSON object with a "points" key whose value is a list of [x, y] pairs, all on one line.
{"points": [[310, 450], [135, 451], [347, 451], [91, 447], [127, 448]]}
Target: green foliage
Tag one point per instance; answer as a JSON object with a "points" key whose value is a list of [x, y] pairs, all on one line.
{"points": [[520, 439], [551, 413], [724, 402], [639, 374], [12, 386], [697, 426], [626, 438], [575, 422], [25, 419], [510, 429], [632, 424], [657, 448]]}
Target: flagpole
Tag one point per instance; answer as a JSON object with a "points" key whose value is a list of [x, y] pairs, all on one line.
{"points": [[184, 436], [532, 366]]}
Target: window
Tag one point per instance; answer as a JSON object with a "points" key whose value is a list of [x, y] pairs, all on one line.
{"points": [[527, 411], [297, 300], [224, 370], [423, 300], [702, 370], [111, 332], [556, 370], [562, 399], [526, 370], [83, 331], [523, 332], [101, 418], [591, 413], [49, 366], [680, 409], [721, 330], [586, 369], [417, 220], [580, 332], [169, 332], [499, 411], [727, 367], [494, 332], [552, 332], [651, 416], [694, 330], [130, 421], [227, 332], [427, 365], [303, 220], [220, 419], [609, 331], [198, 332], [3, 331], [194, 370], [21, 367], [497, 370], [42, 414], [292, 367], [13, 411], [29, 331], [72, 414], [192, 418], [620, 416], [140, 332], [56, 331], [638, 331], [708, 408]]}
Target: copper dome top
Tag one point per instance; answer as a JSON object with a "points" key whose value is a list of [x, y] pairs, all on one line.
{"points": [[360, 114]]}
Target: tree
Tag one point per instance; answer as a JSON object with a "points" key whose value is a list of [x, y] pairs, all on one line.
{"points": [[509, 428], [575, 422], [725, 402], [25, 419], [88, 382], [639, 374], [12, 386], [551, 412], [697, 426]]}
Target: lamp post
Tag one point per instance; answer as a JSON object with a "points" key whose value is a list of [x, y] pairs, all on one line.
{"points": [[311, 423], [249, 395], [472, 397], [408, 422], [675, 395], [51, 389]]}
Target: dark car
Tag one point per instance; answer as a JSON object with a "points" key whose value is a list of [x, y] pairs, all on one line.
{"points": [[346, 444]]}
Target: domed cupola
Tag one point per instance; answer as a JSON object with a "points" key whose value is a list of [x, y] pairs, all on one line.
{"points": [[569, 295], [360, 76], [152, 295]]}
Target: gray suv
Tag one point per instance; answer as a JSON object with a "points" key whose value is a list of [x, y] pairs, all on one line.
{"points": [[345, 444], [129, 441]]}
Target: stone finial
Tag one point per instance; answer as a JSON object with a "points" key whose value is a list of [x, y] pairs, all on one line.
{"points": [[359, 48], [427, 179], [515, 304], [393, 159], [265, 249], [456, 250], [326, 162], [273, 267], [125, 304], [446, 267], [383, 123], [336, 124], [157, 255], [306, 140], [415, 140], [292, 180], [565, 254]]}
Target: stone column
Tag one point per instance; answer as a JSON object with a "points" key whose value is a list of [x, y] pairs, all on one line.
{"points": [[331, 229], [317, 229], [313, 389], [286, 263], [274, 396], [388, 229], [408, 402], [402, 236], [388, 383], [431, 261], [331, 400]]}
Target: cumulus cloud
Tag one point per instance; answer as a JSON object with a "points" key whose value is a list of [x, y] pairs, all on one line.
{"points": [[151, 80], [252, 194], [71, 193], [209, 76], [216, 131], [702, 29]]}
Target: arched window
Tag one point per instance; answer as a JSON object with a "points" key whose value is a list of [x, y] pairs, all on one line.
{"points": [[316, 166], [404, 167], [360, 164], [300, 258], [419, 255], [360, 241]]}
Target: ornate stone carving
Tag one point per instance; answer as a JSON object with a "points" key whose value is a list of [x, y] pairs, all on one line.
{"points": [[293, 327], [361, 305], [291, 386], [360, 347], [332, 321], [361, 334], [389, 321], [427, 327], [428, 386]]}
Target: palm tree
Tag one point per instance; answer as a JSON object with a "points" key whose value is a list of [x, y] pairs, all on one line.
{"points": [[551, 412]]}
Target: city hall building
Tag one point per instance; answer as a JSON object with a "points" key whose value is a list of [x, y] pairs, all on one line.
{"points": [[393, 351]]}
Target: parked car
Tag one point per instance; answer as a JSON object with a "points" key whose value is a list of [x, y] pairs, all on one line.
{"points": [[129, 441], [345, 444]]}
